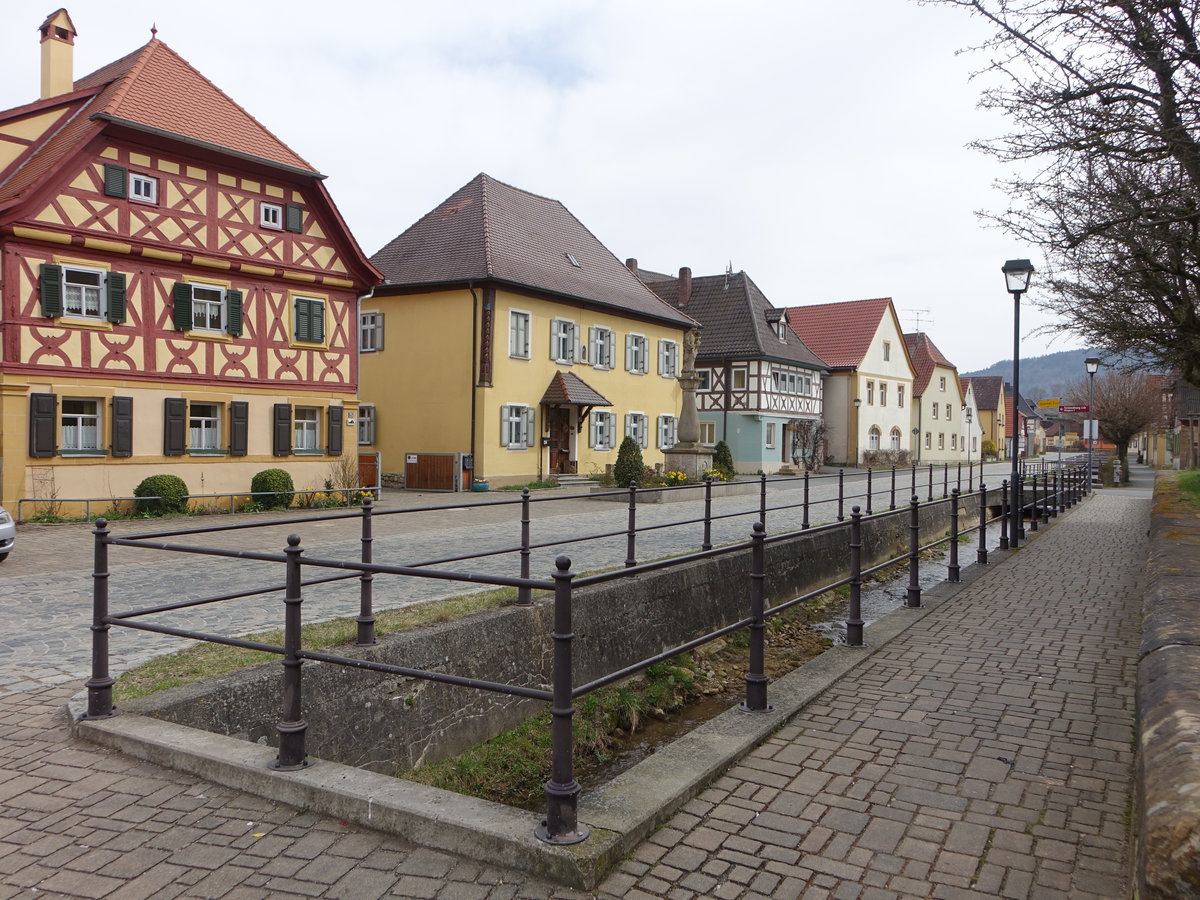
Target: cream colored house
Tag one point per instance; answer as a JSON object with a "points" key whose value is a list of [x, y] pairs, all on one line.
{"points": [[938, 409]]}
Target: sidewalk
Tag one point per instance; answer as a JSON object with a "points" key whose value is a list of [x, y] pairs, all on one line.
{"points": [[985, 752]]}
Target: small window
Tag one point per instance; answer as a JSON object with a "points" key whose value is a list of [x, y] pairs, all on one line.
{"points": [[636, 347], [873, 437], [80, 425], [942, 383], [564, 341], [83, 292], [770, 435], [306, 426], [208, 308], [601, 344], [204, 426], [516, 426], [518, 334], [941, 441], [900, 395], [895, 438], [708, 434], [668, 359], [572, 260], [370, 332], [635, 427], [308, 320], [948, 408], [883, 393], [602, 430], [705, 376], [143, 188], [954, 442], [270, 215], [667, 429], [887, 351], [928, 440], [935, 410], [739, 379], [366, 424], [871, 396]]}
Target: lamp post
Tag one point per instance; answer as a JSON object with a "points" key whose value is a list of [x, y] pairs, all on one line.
{"points": [[967, 416], [1017, 274], [1092, 363], [857, 406]]}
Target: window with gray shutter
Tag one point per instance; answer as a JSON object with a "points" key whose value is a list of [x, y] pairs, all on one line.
{"points": [[43, 421], [122, 426], [336, 427], [115, 178], [239, 427], [174, 426], [281, 429], [293, 218]]}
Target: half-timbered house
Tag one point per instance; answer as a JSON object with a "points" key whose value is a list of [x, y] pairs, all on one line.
{"points": [[868, 393], [178, 288], [760, 387], [529, 351]]}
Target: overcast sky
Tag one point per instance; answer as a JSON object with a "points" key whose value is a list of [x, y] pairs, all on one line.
{"points": [[819, 146]]}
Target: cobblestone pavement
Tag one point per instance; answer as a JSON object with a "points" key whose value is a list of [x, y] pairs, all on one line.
{"points": [[47, 586], [986, 752]]}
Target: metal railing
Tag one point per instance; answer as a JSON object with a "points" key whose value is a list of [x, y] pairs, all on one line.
{"points": [[561, 825]]}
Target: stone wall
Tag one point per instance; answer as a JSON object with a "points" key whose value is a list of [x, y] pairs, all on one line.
{"points": [[385, 723], [1168, 702]]}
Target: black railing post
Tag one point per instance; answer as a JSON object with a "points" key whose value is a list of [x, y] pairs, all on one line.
{"points": [[291, 725], [854, 622], [631, 533], [982, 553], [99, 686], [870, 490], [1019, 520], [931, 482], [366, 597], [707, 543], [561, 825], [912, 599], [945, 481], [892, 501], [958, 477], [525, 592], [1004, 514], [804, 521], [841, 517], [1054, 496], [756, 678], [762, 500], [1033, 507], [953, 575], [1047, 498], [914, 479]]}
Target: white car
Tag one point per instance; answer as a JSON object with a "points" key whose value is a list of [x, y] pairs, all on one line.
{"points": [[8, 533]]}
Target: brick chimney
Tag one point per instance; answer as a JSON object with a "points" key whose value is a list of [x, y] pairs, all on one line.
{"points": [[58, 48], [631, 265], [685, 286]]}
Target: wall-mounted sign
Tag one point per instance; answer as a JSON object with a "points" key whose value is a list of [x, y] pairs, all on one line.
{"points": [[410, 458]]}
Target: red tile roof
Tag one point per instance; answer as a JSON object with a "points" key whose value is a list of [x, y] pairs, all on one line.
{"points": [[568, 388], [925, 357], [988, 390], [839, 333], [491, 230]]}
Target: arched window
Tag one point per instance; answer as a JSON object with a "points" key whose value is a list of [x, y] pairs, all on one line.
{"points": [[873, 438], [895, 438]]}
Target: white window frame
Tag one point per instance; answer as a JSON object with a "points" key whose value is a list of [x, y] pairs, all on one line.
{"points": [[953, 441], [517, 426], [601, 347], [874, 437], [564, 341], [72, 435], [602, 430], [935, 410], [370, 328], [941, 440], [895, 437], [883, 393], [941, 382], [668, 431], [206, 304], [887, 351], [668, 358], [770, 436], [636, 426], [101, 295], [900, 396], [871, 395], [270, 215], [708, 434], [306, 428], [637, 349], [519, 323], [366, 424], [143, 188], [948, 409], [204, 431], [705, 376], [739, 380], [928, 440]]}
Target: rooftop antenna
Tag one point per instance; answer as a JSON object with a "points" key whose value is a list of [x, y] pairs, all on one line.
{"points": [[917, 315], [728, 273]]}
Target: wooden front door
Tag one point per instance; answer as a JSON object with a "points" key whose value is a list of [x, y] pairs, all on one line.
{"points": [[558, 423]]}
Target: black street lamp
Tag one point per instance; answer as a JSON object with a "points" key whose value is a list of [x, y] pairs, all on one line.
{"points": [[1017, 274], [1092, 363], [857, 434], [967, 416]]}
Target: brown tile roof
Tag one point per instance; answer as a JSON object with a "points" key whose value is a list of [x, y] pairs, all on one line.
{"points": [[489, 230], [925, 356], [569, 388], [152, 89], [734, 313], [988, 390], [839, 333]]}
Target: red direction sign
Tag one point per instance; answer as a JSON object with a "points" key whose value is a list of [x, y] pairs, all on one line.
{"points": [[1073, 409]]}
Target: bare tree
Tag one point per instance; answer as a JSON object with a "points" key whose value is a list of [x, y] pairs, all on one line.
{"points": [[808, 444], [1124, 403], [1104, 96]]}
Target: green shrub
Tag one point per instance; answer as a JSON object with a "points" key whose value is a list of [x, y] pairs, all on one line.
{"points": [[723, 460], [989, 448], [275, 487], [629, 468], [163, 494]]}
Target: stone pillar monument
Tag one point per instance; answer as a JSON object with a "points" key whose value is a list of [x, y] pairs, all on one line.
{"points": [[688, 456]]}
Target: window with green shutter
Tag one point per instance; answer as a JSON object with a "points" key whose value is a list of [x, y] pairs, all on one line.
{"points": [[207, 307], [293, 218], [50, 288], [116, 297], [115, 180], [174, 426], [43, 423], [308, 320], [121, 443]]}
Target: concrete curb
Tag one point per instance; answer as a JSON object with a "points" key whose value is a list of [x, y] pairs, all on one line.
{"points": [[621, 814]]}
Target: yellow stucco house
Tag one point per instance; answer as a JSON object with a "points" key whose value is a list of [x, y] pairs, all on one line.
{"points": [[517, 347]]}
